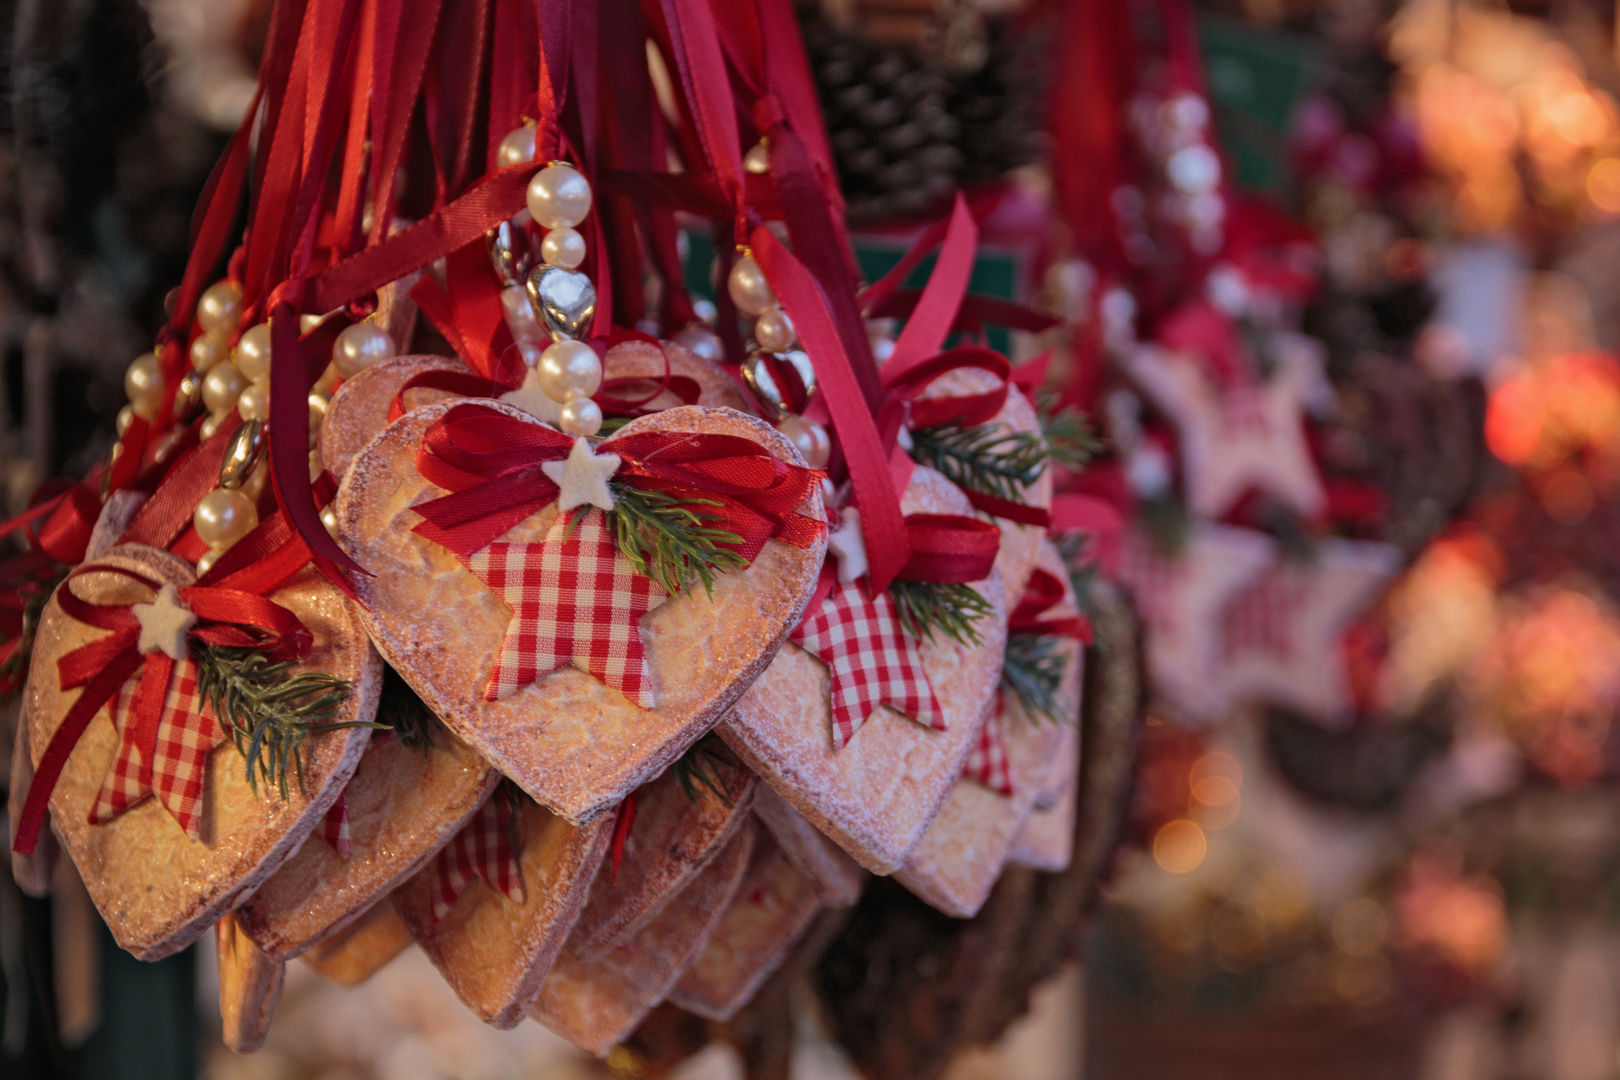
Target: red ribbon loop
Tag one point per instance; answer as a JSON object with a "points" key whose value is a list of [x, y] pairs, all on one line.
{"points": [[950, 548], [1044, 592]]}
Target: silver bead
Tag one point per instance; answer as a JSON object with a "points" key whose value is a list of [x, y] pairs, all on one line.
{"points": [[771, 393], [510, 252], [242, 453], [564, 300]]}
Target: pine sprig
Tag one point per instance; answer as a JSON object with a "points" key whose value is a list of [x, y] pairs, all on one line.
{"points": [[925, 606], [694, 771], [267, 711], [1070, 442], [988, 458], [1033, 669], [406, 713], [671, 539], [1072, 548]]}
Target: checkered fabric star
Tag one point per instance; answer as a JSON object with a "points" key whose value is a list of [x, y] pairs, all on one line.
{"points": [[987, 764], [486, 847], [187, 731], [574, 600], [870, 658]]}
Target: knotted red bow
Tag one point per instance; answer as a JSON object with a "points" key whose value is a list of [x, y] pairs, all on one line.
{"points": [[1044, 592], [490, 463]]}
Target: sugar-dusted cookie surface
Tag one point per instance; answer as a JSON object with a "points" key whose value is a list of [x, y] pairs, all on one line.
{"points": [[157, 888], [405, 803], [963, 851], [572, 742], [358, 951], [673, 837], [838, 878], [493, 951], [772, 909], [877, 795], [645, 361], [595, 1004], [249, 987], [1046, 839], [359, 408]]}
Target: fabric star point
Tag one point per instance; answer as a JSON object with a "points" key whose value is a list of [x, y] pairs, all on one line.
{"points": [[582, 478], [849, 545], [534, 401], [165, 623]]}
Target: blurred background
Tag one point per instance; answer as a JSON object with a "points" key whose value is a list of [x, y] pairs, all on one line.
{"points": [[1373, 824]]}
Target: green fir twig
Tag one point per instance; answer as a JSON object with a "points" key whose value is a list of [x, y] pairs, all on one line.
{"points": [[924, 606], [268, 711], [1070, 441], [672, 539], [1074, 548], [988, 458], [695, 772], [1033, 669]]}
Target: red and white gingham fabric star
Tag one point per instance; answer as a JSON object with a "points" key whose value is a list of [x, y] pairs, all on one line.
{"points": [[871, 659], [187, 731], [485, 847], [987, 764], [574, 600]]}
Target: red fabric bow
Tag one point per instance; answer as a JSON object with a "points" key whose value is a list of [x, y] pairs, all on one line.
{"points": [[1044, 592]]}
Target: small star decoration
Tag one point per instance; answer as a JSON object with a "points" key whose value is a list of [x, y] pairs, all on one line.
{"points": [[583, 478], [534, 401], [850, 547], [164, 624]]}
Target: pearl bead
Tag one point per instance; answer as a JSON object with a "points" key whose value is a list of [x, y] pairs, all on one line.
{"points": [[222, 385], [774, 331], [700, 341], [559, 197], [126, 416], [220, 306], [210, 348], [569, 370], [580, 417], [520, 316], [210, 427], [254, 402], [829, 492], [563, 247], [253, 486], [209, 558], [516, 148], [329, 519], [306, 323], [749, 290], [360, 346], [810, 438], [143, 382], [253, 353], [758, 158], [223, 517]]}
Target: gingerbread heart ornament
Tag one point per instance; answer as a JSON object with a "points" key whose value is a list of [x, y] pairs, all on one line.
{"points": [[158, 888], [875, 795], [573, 742]]}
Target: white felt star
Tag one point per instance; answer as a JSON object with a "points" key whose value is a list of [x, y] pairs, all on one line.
{"points": [[847, 543], [534, 401], [1283, 631], [1238, 437], [583, 477], [1180, 597], [164, 624]]}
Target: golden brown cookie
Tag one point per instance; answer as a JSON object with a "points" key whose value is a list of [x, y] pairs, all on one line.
{"points": [[596, 1004], [644, 360], [572, 742], [838, 878], [157, 888], [359, 950], [673, 838], [493, 951], [876, 796], [359, 408], [1046, 839], [774, 906], [249, 986]]}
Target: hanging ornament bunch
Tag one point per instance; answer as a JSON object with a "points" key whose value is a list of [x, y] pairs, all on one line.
{"points": [[600, 664]]}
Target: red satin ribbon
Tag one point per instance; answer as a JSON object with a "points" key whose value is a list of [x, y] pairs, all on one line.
{"points": [[1044, 592], [225, 616], [950, 548], [491, 465]]}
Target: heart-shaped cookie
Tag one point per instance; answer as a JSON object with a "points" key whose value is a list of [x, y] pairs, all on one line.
{"points": [[494, 951], [838, 878], [568, 739], [962, 853], [876, 795], [157, 888], [673, 837], [1045, 841], [771, 911], [358, 951], [249, 987], [359, 408], [404, 803], [595, 1004]]}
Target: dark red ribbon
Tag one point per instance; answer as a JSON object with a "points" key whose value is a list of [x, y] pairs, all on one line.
{"points": [[950, 548], [1044, 592]]}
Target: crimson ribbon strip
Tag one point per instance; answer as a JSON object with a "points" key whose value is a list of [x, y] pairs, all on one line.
{"points": [[225, 616], [1044, 592], [491, 465], [950, 548]]}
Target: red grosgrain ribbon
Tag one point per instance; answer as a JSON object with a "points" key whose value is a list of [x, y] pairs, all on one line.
{"points": [[225, 616], [950, 548], [1044, 592], [910, 384], [67, 515], [623, 822], [931, 320], [491, 465], [1100, 518]]}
